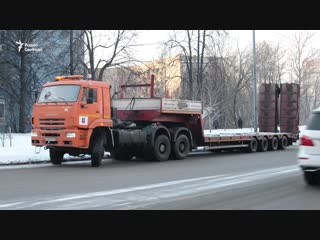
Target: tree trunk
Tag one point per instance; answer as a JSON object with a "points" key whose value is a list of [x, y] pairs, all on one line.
{"points": [[234, 110], [190, 70], [198, 96], [71, 53], [92, 69], [201, 64], [22, 102]]}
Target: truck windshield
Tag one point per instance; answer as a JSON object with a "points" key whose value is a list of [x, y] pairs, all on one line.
{"points": [[61, 93]]}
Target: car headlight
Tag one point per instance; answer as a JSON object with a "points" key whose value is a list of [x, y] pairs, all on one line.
{"points": [[34, 134], [71, 135]]}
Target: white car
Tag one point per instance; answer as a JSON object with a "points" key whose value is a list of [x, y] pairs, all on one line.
{"points": [[309, 150]]}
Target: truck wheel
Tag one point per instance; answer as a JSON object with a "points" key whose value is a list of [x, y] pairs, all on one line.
{"points": [[181, 147], [283, 143], [263, 145], [310, 178], [253, 145], [161, 149], [122, 155], [97, 152], [274, 144], [56, 157]]}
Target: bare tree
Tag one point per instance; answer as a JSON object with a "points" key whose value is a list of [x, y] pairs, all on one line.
{"points": [[214, 104], [16, 82], [239, 73], [304, 62], [25, 70], [270, 63], [116, 45], [195, 48]]}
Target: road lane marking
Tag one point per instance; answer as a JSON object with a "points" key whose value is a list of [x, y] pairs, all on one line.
{"points": [[139, 196], [116, 191]]}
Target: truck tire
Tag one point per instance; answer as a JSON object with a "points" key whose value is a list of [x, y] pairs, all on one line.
{"points": [[181, 147], [263, 145], [122, 155], [97, 151], [274, 144], [161, 149], [283, 143], [310, 178], [56, 157], [253, 145]]}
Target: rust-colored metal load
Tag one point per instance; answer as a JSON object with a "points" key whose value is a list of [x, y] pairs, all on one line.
{"points": [[289, 107], [279, 106], [268, 105]]}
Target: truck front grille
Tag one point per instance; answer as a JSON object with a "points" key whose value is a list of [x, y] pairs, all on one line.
{"points": [[51, 135], [52, 123]]}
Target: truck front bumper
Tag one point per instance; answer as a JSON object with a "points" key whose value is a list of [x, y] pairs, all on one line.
{"points": [[59, 138]]}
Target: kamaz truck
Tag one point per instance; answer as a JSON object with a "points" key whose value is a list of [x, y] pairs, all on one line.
{"points": [[76, 116]]}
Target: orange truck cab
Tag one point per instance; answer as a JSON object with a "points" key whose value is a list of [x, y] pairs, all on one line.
{"points": [[66, 113]]}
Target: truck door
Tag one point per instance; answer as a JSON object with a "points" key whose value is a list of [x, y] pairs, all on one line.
{"points": [[90, 107]]}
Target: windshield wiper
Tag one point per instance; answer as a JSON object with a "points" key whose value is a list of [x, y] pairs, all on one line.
{"points": [[43, 100], [58, 98]]}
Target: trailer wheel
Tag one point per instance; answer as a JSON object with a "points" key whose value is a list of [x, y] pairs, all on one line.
{"points": [[253, 145], [161, 149], [274, 144], [263, 145], [181, 147], [122, 155], [283, 143], [56, 157], [97, 151]]}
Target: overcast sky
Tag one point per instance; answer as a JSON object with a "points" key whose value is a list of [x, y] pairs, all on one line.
{"points": [[152, 37]]}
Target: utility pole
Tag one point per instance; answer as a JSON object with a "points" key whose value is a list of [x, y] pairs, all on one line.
{"points": [[254, 84]]}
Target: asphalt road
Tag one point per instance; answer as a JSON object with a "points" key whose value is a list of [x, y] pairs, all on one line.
{"points": [[270, 180]]}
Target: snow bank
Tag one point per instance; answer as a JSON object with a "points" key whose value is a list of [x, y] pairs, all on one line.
{"points": [[21, 151], [227, 131], [238, 130]]}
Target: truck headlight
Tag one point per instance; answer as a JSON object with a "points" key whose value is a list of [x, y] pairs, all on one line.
{"points": [[34, 134], [70, 135]]}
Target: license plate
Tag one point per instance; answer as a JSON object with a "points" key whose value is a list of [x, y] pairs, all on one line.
{"points": [[50, 139]]}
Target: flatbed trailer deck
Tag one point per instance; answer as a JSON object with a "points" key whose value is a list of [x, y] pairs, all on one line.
{"points": [[188, 113]]}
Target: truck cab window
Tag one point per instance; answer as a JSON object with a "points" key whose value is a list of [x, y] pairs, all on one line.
{"points": [[92, 95], [89, 95]]}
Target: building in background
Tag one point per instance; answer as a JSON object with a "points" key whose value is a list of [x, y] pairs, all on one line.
{"points": [[167, 73], [171, 75]]}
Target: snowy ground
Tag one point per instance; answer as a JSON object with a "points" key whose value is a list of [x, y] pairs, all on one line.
{"points": [[22, 151]]}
